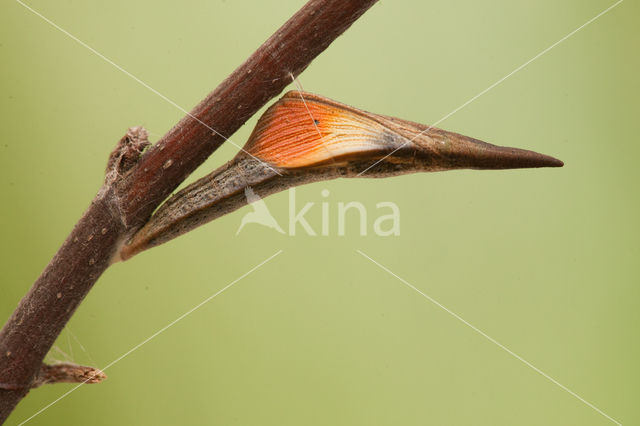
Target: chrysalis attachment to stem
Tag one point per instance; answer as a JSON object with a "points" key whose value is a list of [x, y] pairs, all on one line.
{"points": [[297, 142]]}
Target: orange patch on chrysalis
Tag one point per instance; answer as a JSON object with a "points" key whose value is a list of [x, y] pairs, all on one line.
{"points": [[297, 132]]}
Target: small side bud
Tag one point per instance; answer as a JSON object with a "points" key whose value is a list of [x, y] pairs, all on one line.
{"points": [[68, 373], [127, 152]]}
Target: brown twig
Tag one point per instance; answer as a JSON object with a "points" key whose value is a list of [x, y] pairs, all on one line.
{"points": [[136, 185], [68, 373]]}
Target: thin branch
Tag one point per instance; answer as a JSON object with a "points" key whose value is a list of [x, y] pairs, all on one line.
{"points": [[68, 373], [135, 187]]}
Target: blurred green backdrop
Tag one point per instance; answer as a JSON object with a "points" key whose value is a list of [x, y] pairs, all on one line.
{"points": [[545, 261]]}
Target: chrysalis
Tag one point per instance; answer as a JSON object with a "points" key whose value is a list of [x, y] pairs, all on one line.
{"points": [[304, 138]]}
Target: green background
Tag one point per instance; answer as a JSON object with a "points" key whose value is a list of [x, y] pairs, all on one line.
{"points": [[544, 261]]}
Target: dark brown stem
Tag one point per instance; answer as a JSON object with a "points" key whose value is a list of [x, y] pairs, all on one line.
{"points": [[134, 189]]}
